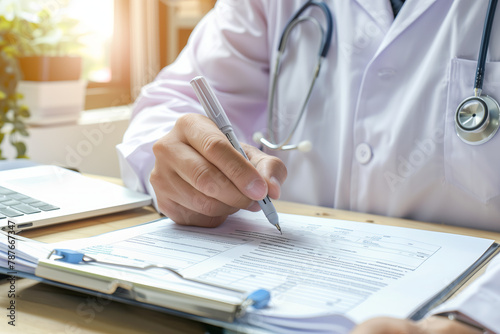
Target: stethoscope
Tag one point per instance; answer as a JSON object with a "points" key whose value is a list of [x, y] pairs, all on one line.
{"points": [[476, 118], [326, 37]]}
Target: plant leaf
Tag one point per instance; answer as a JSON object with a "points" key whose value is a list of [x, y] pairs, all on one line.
{"points": [[20, 148], [24, 111]]}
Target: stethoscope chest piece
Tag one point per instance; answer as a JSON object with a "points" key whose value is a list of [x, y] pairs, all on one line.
{"points": [[476, 119]]}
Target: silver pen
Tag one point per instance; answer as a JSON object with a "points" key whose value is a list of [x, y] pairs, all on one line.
{"points": [[214, 111]]}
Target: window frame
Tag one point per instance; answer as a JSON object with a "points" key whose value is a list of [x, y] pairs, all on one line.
{"points": [[117, 91]]}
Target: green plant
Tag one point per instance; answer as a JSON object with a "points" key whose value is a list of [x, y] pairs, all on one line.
{"points": [[12, 113], [46, 35], [49, 35]]}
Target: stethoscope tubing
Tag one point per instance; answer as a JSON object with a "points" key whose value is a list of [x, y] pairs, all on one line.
{"points": [[317, 68], [327, 37], [483, 50], [477, 117], [464, 114], [322, 53]]}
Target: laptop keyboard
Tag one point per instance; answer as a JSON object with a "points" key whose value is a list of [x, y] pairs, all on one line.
{"points": [[14, 204]]}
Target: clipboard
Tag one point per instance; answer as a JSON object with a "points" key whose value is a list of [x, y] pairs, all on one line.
{"points": [[234, 243], [122, 296], [221, 303]]}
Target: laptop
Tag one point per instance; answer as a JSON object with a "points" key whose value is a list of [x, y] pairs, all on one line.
{"points": [[43, 195]]}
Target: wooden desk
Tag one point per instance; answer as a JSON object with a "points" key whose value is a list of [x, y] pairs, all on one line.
{"points": [[45, 309]]}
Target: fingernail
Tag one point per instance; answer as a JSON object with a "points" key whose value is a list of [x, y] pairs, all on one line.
{"points": [[275, 181], [254, 207], [257, 189]]}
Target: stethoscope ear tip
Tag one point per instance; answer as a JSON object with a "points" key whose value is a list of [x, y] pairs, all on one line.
{"points": [[257, 136], [304, 146]]}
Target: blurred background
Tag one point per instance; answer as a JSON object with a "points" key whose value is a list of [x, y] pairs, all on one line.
{"points": [[70, 70]]}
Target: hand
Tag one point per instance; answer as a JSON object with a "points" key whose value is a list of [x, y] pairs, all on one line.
{"points": [[200, 179], [430, 325]]}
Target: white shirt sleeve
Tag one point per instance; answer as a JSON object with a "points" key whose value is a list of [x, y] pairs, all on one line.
{"points": [[229, 48], [480, 301]]}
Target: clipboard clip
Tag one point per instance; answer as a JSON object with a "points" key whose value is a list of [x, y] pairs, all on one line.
{"points": [[258, 299]]}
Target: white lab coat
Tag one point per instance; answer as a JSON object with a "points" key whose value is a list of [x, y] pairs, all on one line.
{"points": [[381, 116]]}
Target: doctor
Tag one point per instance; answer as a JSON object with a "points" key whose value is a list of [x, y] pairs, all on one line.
{"points": [[380, 121]]}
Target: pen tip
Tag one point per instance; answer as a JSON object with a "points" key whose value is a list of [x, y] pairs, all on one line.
{"points": [[279, 228]]}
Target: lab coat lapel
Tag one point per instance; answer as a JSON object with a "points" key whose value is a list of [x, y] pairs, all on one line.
{"points": [[410, 12], [379, 10]]}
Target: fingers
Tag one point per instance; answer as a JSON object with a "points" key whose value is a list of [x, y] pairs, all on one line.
{"points": [[199, 178], [386, 325], [176, 190], [431, 325], [178, 199], [442, 325], [184, 216], [210, 142], [271, 168], [202, 182], [184, 204]]}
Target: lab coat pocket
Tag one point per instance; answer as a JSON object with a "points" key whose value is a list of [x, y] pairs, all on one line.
{"points": [[474, 169]]}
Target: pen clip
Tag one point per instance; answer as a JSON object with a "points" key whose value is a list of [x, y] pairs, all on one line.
{"points": [[209, 101]]}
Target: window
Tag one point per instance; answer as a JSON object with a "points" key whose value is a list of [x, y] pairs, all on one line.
{"points": [[104, 29], [177, 20], [107, 61], [108, 37]]}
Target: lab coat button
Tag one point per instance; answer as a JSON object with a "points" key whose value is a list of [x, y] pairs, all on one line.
{"points": [[363, 153], [386, 73]]}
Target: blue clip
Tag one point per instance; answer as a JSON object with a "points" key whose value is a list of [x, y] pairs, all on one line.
{"points": [[68, 255], [260, 298]]}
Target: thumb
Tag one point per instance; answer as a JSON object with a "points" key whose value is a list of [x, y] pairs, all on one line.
{"points": [[271, 168]]}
